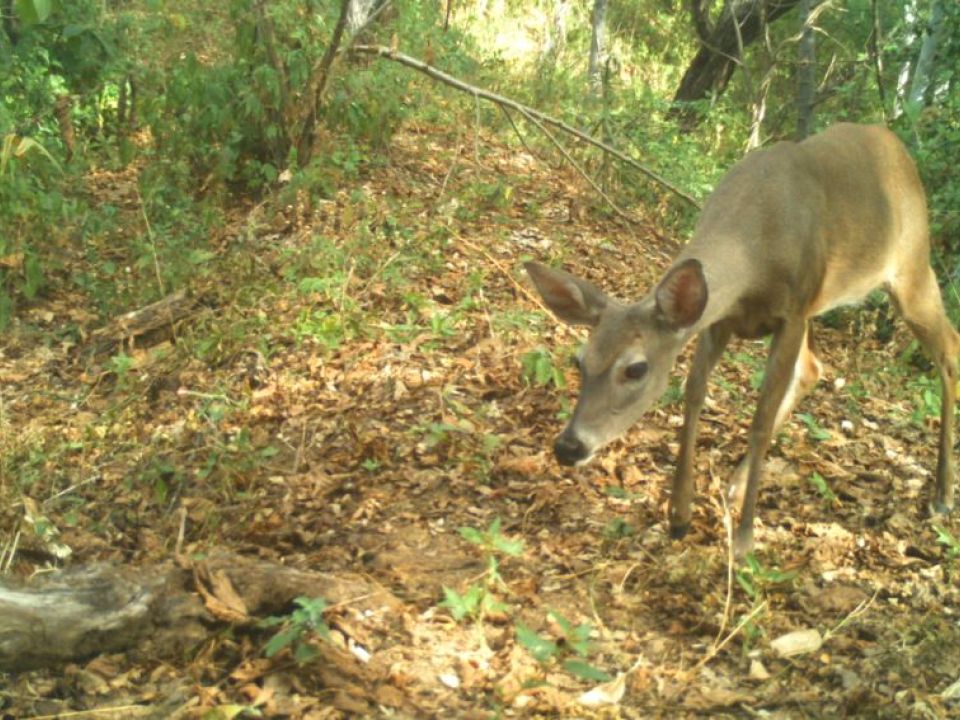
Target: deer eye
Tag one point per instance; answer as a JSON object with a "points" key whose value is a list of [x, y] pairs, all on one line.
{"points": [[635, 371]]}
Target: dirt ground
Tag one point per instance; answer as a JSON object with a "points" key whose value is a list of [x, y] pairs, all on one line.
{"points": [[351, 392]]}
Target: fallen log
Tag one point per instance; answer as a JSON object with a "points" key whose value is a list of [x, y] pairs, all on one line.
{"points": [[163, 610]]}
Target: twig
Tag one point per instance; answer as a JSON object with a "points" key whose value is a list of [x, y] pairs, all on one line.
{"points": [[728, 526], [476, 133], [533, 298], [712, 653], [299, 454], [152, 239], [453, 165], [181, 533], [436, 74], [517, 131], [68, 490], [576, 166], [853, 614]]}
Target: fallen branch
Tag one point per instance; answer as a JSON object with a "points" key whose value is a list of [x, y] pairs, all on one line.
{"points": [[434, 73]]}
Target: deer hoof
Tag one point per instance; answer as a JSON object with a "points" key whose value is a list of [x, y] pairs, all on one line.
{"points": [[678, 532]]}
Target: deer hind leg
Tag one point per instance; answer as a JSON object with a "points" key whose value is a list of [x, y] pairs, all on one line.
{"points": [[920, 303], [709, 349], [786, 349], [807, 371]]}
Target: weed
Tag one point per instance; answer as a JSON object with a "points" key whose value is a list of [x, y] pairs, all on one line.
{"points": [[480, 600], [617, 529], [951, 545], [926, 399], [539, 368], [298, 630], [756, 580], [673, 395], [814, 431], [821, 486], [571, 642]]}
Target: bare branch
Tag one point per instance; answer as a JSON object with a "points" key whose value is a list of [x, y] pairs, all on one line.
{"points": [[443, 77]]}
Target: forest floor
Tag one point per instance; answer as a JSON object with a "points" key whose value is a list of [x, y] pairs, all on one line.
{"points": [[368, 388]]}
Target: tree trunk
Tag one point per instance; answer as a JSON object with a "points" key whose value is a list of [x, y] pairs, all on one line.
{"points": [[556, 33], [595, 71], [911, 22], [741, 22], [806, 72], [923, 73]]}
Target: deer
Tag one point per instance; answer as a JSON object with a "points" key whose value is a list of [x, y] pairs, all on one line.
{"points": [[791, 231]]}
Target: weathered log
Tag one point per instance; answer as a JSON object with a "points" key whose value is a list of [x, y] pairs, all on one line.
{"points": [[163, 312], [78, 613]]}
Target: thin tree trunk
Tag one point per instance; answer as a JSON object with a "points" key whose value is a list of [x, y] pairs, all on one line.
{"points": [[923, 73], [876, 43], [316, 87], [806, 72], [556, 33], [595, 71], [911, 21]]}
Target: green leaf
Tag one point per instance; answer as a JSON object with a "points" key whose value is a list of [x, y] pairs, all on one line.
{"points": [[541, 648], [33, 274], [304, 653], [585, 671], [513, 548], [471, 535], [281, 640], [32, 12]]}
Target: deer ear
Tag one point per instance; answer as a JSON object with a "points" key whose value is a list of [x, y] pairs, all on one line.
{"points": [[574, 301], [682, 294]]}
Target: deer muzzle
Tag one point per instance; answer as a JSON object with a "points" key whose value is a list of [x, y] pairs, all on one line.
{"points": [[569, 449]]}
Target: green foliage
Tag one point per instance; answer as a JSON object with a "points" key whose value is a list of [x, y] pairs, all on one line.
{"points": [[480, 599], [298, 630], [925, 393], [539, 368], [571, 642], [950, 543], [474, 604], [757, 580], [617, 529], [821, 486], [814, 431], [492, 541]]}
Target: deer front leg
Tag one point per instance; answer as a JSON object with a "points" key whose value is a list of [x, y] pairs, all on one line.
{"points": [[709, 349], [784, 351]]}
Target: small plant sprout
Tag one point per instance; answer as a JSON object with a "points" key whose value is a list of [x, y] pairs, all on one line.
{"points": [[298, 630], [539, 368], [949, 541], [818, 482], [568, 646], [756, 580], [479, 599], [814, 431]]}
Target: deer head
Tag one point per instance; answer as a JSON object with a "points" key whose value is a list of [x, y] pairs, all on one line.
{"points": [[626, 363]]}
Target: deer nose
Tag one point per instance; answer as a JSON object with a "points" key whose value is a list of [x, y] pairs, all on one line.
{"points": [[569, 449]]}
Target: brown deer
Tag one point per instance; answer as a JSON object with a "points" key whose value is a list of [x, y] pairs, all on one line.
{"points": [[789, 233]]}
